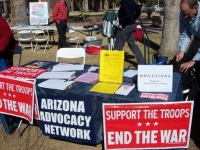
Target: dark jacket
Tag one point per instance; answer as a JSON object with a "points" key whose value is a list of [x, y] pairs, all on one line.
{"points": [[128, 12]]}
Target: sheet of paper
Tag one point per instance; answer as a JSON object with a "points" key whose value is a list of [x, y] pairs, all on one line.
{"points": [[56, 84], [68, 67], [125, 89], [93, 68], [111, 66], [104, 87], [88, 77], [130, 73], [56, 75], [63, 64]]}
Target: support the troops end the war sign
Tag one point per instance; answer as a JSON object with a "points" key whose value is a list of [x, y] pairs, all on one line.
{"points": [[147, 125], [16, 97]]}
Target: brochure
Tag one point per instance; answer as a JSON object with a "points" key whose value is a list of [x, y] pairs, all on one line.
{"points": [[125, 89]]}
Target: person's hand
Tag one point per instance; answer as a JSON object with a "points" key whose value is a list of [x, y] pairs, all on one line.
{"points": [[185, 66], [179, 56], [120, 27]]}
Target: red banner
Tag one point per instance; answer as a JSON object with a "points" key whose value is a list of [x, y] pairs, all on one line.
{"points": [[21, 72], [147, 125], [16, 97]]}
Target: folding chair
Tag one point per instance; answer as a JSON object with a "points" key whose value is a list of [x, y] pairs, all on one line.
{"points": [[18, 50], [40, 36], [74, 38], [70, 53], [25, 35]]}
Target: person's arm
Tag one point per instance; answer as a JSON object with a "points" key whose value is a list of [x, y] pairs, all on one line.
{"points": [[55, 13], [137, 11], [185, 66], [185, 37]]}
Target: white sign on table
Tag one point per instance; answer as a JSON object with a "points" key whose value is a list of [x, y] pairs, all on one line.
{"points": [[155, 78]]}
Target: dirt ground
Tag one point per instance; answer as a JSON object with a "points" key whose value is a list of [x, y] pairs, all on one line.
{"points": [[32, 138]]}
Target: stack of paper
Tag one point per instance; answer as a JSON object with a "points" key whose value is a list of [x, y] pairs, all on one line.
{"points": [[56, 75], [130, 73], [68, 67], [88, 77], [56, 84]]}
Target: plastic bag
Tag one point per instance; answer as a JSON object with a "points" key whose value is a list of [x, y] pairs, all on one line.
{"points": [[139, 32], [93, 50]]}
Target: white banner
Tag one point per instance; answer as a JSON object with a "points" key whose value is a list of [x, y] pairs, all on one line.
{"points": [[155, 78]]}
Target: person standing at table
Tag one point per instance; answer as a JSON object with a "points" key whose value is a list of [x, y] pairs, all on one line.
{"points": [[128, 14], [7, 42], [60, 16]]}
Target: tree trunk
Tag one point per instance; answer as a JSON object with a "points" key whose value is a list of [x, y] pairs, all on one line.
{"points": [[86, 6], [170, 36], [96, 5], [18, 11]]}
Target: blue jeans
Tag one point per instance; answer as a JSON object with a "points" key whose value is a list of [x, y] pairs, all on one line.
{"points": [[6, 120], [7, 123]]}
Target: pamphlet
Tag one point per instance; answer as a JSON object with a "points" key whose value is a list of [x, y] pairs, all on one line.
{"points": [[125, 89], [37, 64], [88, 77]]}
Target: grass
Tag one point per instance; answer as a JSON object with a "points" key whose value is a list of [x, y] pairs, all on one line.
{"points": [[49, 55]]}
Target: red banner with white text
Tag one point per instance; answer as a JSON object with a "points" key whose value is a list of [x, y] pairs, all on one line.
{"points": [[147, 125], [17, 97]]}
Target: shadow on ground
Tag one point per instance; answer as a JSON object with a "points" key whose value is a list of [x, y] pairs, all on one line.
{"points": [[195, 129], [129, 58], [149, 43]]}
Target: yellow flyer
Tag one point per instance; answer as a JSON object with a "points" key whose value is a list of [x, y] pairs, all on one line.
{"points": [[111, 66]]}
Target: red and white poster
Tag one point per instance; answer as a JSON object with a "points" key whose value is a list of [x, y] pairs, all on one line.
{"points": [[17, 97], [21, 72], [147, 125]]}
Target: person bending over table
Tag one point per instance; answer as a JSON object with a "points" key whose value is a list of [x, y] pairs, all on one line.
{"points": [[184, 62], [128, 14], [60, 16]]}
